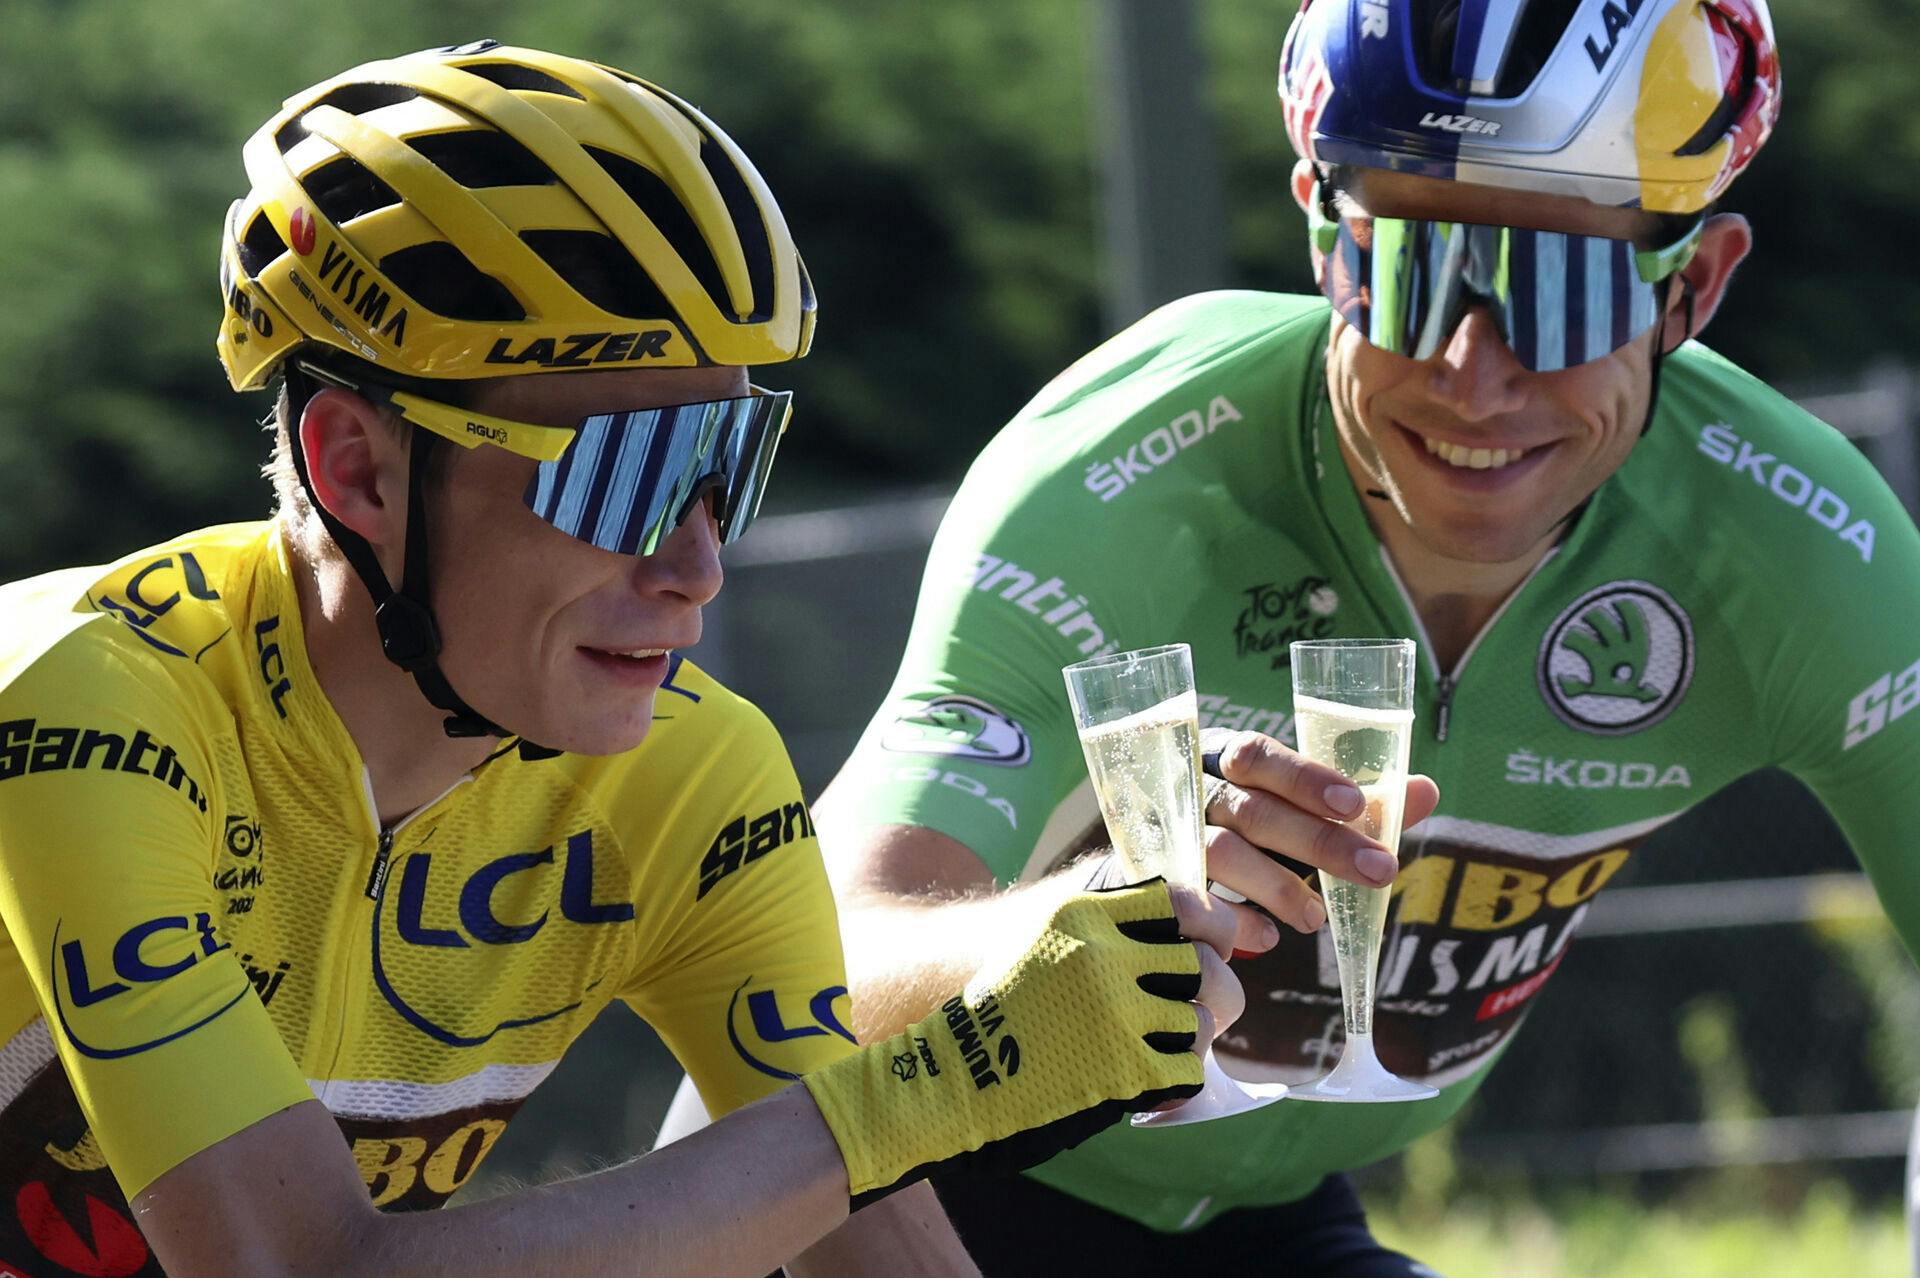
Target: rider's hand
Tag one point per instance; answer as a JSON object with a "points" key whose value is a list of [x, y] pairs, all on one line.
{"points": [[1263, 797], [1055, 1038]]}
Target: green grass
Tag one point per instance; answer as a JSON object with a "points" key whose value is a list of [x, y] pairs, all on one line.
{"points": [[1825, 1235]]}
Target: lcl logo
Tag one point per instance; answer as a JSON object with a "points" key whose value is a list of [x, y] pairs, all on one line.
{"points": [[478, 920]]}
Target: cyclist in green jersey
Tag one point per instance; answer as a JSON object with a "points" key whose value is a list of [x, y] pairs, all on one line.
{"points": [[294, 912], [1634, 571]]}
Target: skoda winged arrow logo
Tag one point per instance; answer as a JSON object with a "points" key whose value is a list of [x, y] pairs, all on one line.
{"points": [[1615, 646], [1618, 659], [959, 727]]}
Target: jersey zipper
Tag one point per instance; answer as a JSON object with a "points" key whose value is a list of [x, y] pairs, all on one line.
{"points": [[1443, 707], [1447, 681], [356, 959], [383, 847], [377, 880]]}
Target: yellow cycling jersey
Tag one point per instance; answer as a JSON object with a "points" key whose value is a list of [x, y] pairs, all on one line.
{"points": [[204, 921]]}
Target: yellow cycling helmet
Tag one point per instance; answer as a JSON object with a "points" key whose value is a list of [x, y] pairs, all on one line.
{"points": [[480, 210]]}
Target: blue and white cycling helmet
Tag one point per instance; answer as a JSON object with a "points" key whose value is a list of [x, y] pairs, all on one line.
{"points": [[1651, 104]]}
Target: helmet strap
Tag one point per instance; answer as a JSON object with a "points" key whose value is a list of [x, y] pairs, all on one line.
{"points": [[1660, 352], [409, 635]]}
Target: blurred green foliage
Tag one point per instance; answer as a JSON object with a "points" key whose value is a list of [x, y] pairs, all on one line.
{"points": [[936, 161], [1597, 1235], [1870, 952]]}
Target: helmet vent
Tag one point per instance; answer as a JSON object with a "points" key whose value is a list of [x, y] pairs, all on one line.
{"points": [[747, 224], [345, 189], [365, 96], [664, 209], [354, 99], [483, 157], [1738, 95], [260, 246], [807, 300], [439, 277], [511, 76], [600, 269], [1440, 21], [358, 99], [1514, 46], [1543, 28]]}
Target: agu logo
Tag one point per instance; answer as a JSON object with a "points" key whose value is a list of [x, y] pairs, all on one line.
{"points": [[1618, 659], [961, 727]]}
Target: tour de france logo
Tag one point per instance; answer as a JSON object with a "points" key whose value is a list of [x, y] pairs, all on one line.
{"points": [[1618, 659]]}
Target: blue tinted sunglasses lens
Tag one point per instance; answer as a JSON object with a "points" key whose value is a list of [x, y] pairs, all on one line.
{"points": [[1558, 299], [629, 479]]}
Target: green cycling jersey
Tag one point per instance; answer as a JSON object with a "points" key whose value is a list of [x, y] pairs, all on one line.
{"points": [[1741, 594]]}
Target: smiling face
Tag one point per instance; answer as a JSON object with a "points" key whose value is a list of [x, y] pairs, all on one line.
{"points": [[1480, 459], [564, 643]]}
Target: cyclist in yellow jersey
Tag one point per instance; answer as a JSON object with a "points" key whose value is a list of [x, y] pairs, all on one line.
{"points": [[347, 823]]}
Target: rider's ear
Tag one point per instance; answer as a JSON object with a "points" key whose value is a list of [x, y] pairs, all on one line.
{"points": [[357, 462], [1725, 241]]}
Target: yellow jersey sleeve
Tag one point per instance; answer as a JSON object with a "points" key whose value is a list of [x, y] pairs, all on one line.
{"points": [[109, 817], [749, 990]]}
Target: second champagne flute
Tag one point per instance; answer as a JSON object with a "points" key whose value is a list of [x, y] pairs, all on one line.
{"points": [[1353, 711]]}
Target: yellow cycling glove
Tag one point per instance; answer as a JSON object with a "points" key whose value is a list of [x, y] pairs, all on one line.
{"points": [[1048, 1044]]}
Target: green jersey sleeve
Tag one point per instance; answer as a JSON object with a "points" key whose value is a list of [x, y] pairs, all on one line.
{"points": [[1843, 682], [1813, 570]]}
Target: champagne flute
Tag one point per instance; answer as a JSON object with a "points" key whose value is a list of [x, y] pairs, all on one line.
{"points": [[1353, 710], [1138, 722]]}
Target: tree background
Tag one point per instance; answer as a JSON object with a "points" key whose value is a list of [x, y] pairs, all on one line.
{"points": [[935, 160]]}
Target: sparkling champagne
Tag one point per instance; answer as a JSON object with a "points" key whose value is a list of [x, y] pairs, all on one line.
{"points": [[1370, 746], [1145, 770]]}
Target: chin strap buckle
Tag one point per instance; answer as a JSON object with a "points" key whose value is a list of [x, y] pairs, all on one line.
{"points": [[408, 634], [411, 640]]}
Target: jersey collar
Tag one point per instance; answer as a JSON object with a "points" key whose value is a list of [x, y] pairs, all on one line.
{"points": [[288, 690]]}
